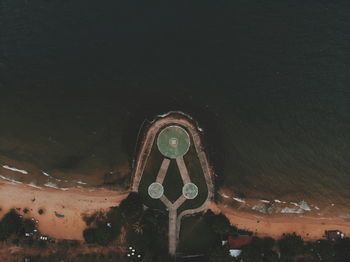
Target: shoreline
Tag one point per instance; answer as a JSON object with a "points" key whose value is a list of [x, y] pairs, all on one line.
{"points": [[75, 202], [71, 203], [310, 228]]}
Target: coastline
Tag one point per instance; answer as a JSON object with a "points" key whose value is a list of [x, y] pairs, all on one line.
{"points": [[308, 227], [75, 202], [71, 203]]}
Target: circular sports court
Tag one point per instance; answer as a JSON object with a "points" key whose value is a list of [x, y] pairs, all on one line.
{"points": [[190, 191], [173, 141], [155, 190]]}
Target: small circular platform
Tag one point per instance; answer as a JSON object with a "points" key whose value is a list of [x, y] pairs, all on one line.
{"points": [[190, 191], [173, 141], [155, 190]]}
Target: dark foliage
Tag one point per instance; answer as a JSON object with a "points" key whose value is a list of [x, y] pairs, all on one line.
{"points": [[105, 228], [219, 254], [28, 225], [220, 224], [10, 224], [92, 257], [291, 245], [322, 250], [342, 250], [132, 207], [90, 235], [260, 249], [270, 256], [150, 234], [251, 254]]}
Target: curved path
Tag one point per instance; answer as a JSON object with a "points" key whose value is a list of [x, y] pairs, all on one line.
{"points": [[145, 149]]}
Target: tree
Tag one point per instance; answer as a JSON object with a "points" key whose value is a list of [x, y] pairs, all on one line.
{"points": [[3, 233], [131, 207], [268, 243], [90, 235], [342, 250], [270, 256], [104, 235], [220, 224], [323, 250], [219, 254], [251, 254], [10, 224], [28, 225], [105, 227], [291, 245]]}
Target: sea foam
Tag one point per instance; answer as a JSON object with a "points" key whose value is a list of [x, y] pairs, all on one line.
{"points": [[15, 169], [12, 181], [239, 200]]}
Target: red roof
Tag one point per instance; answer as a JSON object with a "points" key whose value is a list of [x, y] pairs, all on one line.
{"points": [[238, 242]]}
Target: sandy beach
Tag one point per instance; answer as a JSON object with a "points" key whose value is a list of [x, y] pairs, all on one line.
{"points": [[75, 202], [310, 228], [70, 203]]}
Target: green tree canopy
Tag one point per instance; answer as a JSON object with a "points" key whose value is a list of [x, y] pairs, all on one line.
{"points": [[11, 223], [131, 207], [220, 224], [342, 250], [90, 235], [28, 225], [270, 256], [219, 254], [291, 245]]}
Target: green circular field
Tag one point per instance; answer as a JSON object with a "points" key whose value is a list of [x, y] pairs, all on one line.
{"points": [[190, 191], [173, 141], [155, 190]]}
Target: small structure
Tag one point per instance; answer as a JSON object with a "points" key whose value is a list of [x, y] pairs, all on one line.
{"points": [[236, 243], [44, 238], [334, 235], [59, 215], [133, 254]]}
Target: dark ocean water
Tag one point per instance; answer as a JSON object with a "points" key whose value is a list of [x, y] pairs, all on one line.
{"points": [[268, 82]]}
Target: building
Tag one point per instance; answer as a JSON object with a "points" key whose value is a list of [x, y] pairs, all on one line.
{"points": [[236, 243]]}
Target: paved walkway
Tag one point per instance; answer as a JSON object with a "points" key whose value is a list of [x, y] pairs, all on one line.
{"points": [[145, 149], [183, 170], [172, 208], [162, 171]]}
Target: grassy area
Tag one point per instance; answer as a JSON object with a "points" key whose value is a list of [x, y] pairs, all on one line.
{"points": [[149, 176], [173, 182]]}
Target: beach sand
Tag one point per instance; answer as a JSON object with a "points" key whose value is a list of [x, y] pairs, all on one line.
{"points": [[70, 203], [309, 228], [75, 202]]}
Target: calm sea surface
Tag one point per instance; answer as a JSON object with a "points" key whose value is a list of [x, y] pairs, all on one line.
{"points": [[268, 83]]}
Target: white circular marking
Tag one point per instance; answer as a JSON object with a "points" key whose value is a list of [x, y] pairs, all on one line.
{"points": [[173, 141], [155, 190], [190, 191]]}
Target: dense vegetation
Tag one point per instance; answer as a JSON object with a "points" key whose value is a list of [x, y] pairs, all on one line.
{"points": [[146, 231], [92, 257], [13, 225], [104, 228], [202, 234]]}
